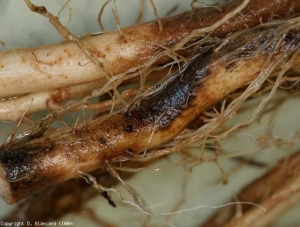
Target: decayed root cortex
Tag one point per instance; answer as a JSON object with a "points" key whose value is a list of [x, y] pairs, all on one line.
{"points": [[218, 68], [65, 65]]}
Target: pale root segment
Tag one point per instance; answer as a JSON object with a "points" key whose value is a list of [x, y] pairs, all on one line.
{"points": [[157, 118], [63, 65], [13, 109]]}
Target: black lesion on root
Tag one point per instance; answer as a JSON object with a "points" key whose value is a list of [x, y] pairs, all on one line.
{"points": [[171, 98], [23, 170], [288, 37], [179, 90], [102, 140], [21, 160], [128, 128]]}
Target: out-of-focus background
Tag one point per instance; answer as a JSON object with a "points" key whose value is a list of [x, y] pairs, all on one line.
{"points": [[163, 189]]}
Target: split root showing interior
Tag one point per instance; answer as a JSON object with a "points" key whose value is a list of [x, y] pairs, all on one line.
{"points": [[93, 58], [218, 68]]}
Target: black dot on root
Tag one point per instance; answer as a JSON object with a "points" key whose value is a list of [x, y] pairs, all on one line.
{"points": [[287, 37], [128, 128], [102, 140]]}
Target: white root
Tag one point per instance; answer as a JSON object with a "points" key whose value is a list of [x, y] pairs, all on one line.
{"points": [[54, 66], [13, 109], [63, 65]]}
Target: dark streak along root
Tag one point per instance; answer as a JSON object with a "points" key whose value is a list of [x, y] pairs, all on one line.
{"points": [[157, 118]]}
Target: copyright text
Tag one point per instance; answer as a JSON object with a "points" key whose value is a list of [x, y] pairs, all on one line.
{"points": [[37, 223]]}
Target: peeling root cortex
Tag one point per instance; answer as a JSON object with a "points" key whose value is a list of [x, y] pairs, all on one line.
{"points": [[157, 118]]}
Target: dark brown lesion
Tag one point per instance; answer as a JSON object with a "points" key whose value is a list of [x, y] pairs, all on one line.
{"points": [[20, 160], [24, 163], [28, 165], [169, 99], [166, 103]]}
